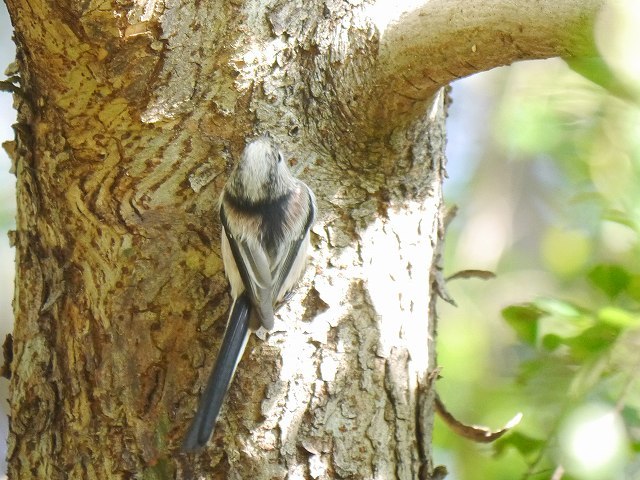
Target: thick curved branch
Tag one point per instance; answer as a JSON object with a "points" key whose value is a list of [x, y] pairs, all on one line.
{"points": [[444, 40]]}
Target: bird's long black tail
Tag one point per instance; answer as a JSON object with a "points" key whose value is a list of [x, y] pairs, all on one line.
{"points": [[233, 343]]}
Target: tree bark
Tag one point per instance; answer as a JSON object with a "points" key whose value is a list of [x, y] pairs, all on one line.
{"points": [[130, 117]]}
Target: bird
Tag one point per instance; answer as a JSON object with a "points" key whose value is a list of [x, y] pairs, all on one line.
{"points": [[266, 215]]}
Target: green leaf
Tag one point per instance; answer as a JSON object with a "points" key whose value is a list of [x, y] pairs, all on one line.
{"points": [[592, 341], [524, 321], [555, 306], [631, 417], [620, 217], [598, 71], [611, 279], [526, 445], [633, 289], [618, 317], [551, 341]]}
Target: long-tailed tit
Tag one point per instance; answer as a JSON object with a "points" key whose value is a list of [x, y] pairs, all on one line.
{"points": [[266, 216]]}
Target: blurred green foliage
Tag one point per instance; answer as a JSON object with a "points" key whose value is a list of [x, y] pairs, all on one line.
{"points": [[568, 288]]}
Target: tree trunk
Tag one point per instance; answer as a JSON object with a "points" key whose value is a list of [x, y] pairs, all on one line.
{"points": [[130, 117]]}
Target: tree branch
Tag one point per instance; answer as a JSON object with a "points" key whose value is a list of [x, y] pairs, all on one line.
{"points": [[444, 40]]}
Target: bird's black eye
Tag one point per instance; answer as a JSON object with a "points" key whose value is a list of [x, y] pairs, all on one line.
{"points": [[279, 157]]}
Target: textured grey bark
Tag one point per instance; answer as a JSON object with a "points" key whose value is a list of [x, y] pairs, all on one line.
{"points": [[130, 118]]}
